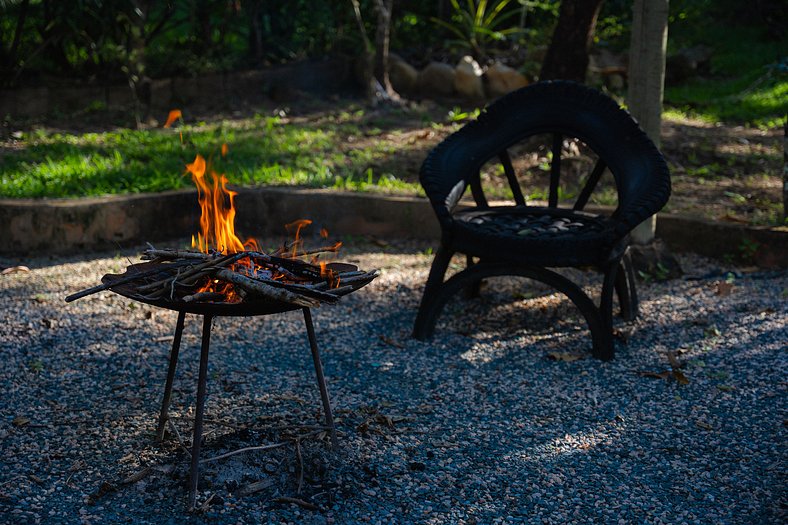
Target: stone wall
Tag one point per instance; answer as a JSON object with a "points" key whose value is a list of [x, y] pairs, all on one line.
{"points": [[229, 89]]}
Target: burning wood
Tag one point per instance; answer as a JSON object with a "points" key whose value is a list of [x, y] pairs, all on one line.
{"points": [[222, 269], [189, 277]]}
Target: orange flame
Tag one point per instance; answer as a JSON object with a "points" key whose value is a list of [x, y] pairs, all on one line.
{"points": [[298, 242], [217, 229], [174, 115], [217, 206]]}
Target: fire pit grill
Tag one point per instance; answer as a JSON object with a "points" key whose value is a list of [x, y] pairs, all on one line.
{"points": [[147, 274]]}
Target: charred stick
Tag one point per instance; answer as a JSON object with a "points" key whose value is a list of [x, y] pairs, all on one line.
{"points": [[196, 271], [303, 290], [175, 254], [260, 288], [368, 276], [123, 280], [203, 296], [340, 290]]}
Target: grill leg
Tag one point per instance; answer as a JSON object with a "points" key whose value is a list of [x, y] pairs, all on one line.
{"points": [[321, 380], [165, 403], [201, 388]]}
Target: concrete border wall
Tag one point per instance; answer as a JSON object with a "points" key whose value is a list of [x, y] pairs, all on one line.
{"points": [[63, 226]]}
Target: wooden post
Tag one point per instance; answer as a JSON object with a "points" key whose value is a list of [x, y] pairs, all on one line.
{"points": [[785, 170], [647, 80]]}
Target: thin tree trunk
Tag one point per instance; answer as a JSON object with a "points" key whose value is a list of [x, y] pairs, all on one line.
{"points": [[20, 26], [382, 41], [647, 80], [567, 56], [785, 171]]}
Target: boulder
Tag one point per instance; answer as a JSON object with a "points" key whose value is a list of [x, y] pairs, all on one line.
{"points": [[608, 68], [404, 77], [501, 79], [687, 63], [437, 79], [468, 79]]}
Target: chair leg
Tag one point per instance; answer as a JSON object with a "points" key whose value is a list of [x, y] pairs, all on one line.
{"points": [[200, 409], [623, 294], [425, 319], [165, 403], [634, 302], [626, 289], [473, 290], [602, 340], [606, 301]]}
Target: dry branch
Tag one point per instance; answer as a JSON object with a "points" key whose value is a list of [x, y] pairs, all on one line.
{"points": [[257, 287]]}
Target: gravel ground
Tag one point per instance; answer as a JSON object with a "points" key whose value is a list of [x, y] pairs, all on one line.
{"points": [[479, 426]]}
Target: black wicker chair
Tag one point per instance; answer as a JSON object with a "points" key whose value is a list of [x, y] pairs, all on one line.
{"points": [[524, 239]]}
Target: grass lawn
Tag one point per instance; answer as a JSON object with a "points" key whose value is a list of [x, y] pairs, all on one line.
{"points": [[328, 150], [720, 171]]}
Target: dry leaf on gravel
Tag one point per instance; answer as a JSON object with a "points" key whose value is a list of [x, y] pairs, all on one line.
{"points": [[14, 269], [20, 421], [391, 342], [566, 357], [723, 288]]}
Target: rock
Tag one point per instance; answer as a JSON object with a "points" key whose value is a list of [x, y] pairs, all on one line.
{"points": [[404, 77], [687, 63], [501, 79], [608, 68], [437, 79], [654, 261], [468, 79]]}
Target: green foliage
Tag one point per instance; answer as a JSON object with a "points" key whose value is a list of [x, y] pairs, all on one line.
{"points": [[477, 25], [263, 150], [747, 80]]}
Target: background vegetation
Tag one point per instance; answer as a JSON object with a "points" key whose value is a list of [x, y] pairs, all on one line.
{"points": [[106, 42]]}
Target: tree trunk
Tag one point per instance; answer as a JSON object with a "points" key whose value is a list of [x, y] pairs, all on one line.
{"points": [[647, 80], [785, 171], [382, 40], [567, 56]]}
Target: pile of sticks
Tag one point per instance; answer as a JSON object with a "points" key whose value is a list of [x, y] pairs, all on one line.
{"points": [[179, 275]]}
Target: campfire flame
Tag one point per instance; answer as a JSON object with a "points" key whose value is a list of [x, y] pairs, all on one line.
{"points": [[217, 230], [217, 212]]}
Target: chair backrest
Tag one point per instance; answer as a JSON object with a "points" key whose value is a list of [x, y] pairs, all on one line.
{"points": [[559, 109]]}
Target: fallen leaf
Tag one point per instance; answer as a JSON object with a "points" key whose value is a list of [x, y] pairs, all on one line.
{"points": [[673, 360], [726, 388], [703, 425], [723, 288], [380, 242], [734, 218], [20, 421], [133, 478], [656, 375], [35, 479], [104, 489], [251, 488], [566, 357], [391, 342], [679, 376], [14, 269]]}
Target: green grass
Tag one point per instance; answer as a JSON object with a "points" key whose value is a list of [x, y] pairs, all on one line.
{"points": [[747, 82], [263, 150]]}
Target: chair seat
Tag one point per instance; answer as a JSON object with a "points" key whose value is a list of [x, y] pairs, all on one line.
{"points": [[534, 235]]}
